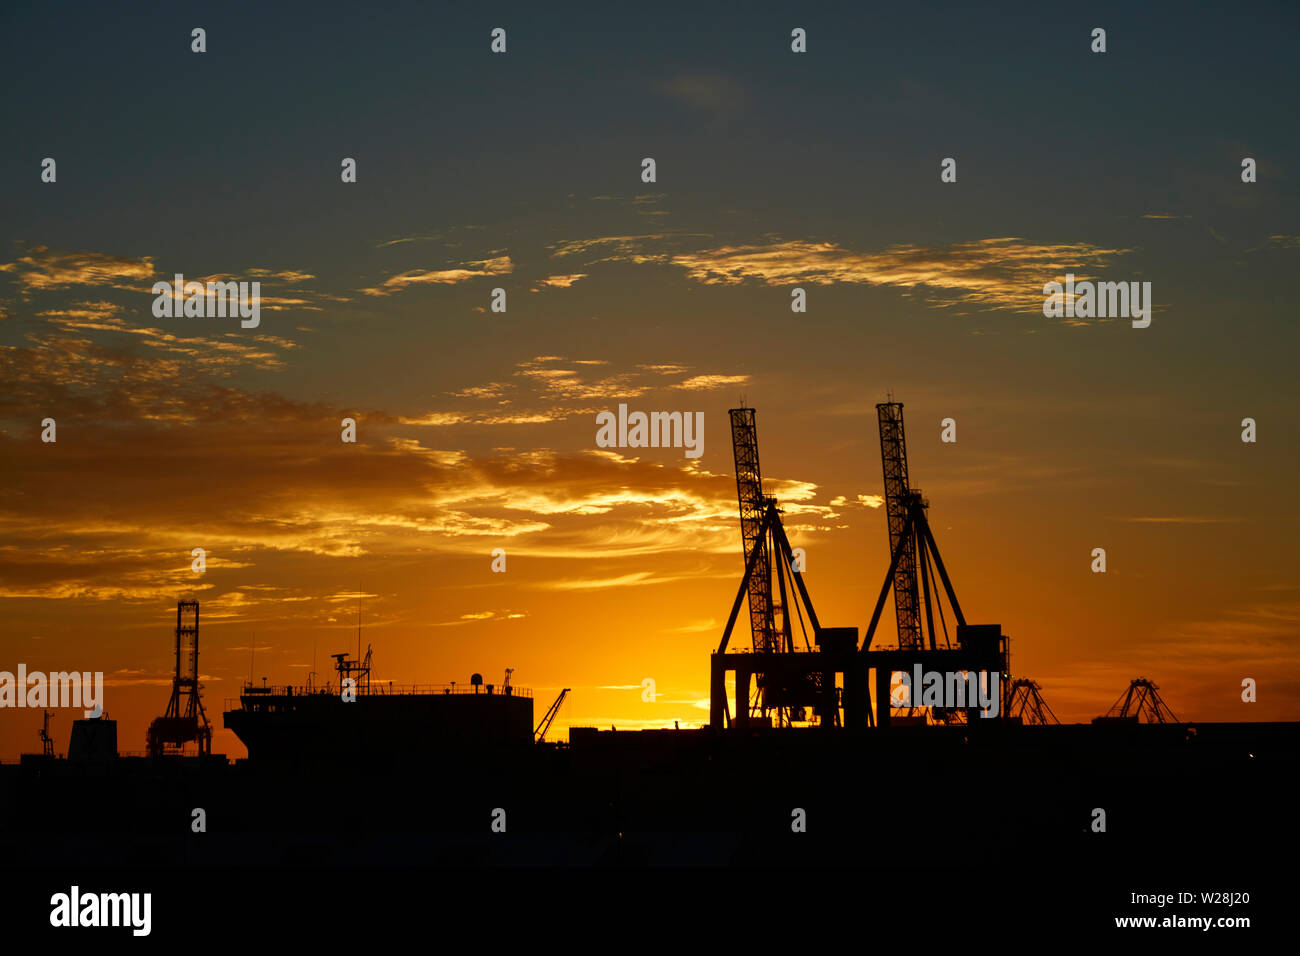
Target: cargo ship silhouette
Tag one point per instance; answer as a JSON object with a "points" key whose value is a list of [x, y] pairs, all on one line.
{"points": [[361, 720]]}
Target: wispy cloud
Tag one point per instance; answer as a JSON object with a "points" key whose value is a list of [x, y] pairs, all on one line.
{"points": [[43, 268], [402, 239], [444, 419], [560, 281], [281, 275], [474, 269], [864, 501], [1004, 273], [478, 617], [707, 382], [217, 354], [993, 273], [635, 579], [621, 248]]}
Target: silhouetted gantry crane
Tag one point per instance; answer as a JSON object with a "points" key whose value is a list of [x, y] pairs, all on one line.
{"points": [[781, 696], [1141, 699], [185, 721], [834, 680], [980, 648], [911, 545], [1025, 701]]}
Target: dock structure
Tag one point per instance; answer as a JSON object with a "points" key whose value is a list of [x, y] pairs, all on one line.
{"points": [[829, 681]]}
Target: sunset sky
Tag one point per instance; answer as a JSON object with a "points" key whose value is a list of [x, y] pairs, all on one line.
{"points": [[476, 430]]}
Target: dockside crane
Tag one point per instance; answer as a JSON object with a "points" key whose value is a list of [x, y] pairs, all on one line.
{"points": [[835, 678], [912, 547], [767, 553], [1025, 700], [184, 720], [540, 733], [1142, 699], [911, 543]]}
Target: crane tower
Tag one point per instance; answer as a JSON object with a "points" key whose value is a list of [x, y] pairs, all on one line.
{"points": [[185, 720]]}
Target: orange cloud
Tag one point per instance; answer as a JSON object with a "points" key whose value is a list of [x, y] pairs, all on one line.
{"points": [[45, 268], [994, 273], [1006, 273], [703, 382], [561, 281], [474, 269]]}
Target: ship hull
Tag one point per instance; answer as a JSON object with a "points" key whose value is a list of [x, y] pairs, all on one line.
{"points": [[378, 728]]}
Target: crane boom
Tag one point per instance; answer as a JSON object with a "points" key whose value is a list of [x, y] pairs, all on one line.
{"points": [[753, 506], [545, 725], [898, 505]]}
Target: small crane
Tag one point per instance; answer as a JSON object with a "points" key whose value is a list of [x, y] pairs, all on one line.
{"points": [[545, 725], [47, 742]]}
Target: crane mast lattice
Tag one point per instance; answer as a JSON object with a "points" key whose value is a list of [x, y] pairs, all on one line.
{"points": [[899, 498], [753, 505]]}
